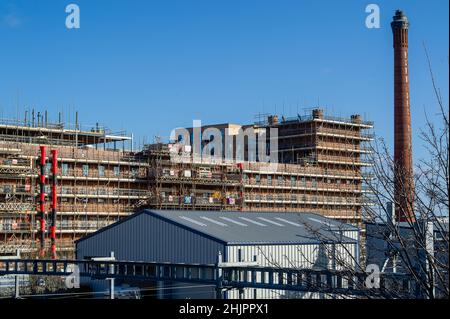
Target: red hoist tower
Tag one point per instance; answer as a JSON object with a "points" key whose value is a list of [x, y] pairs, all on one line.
{"points": [[41, 211]]}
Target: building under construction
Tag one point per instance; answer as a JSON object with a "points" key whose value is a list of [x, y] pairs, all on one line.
{"points": [[321, 169], [96, 185], [99, 180]]}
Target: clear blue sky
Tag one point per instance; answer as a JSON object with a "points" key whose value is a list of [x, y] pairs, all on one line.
{"points": [[150, 66]]}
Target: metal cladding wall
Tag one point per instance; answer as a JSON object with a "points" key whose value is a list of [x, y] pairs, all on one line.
{"points": [[289, 256], [317, 256], [148, 238]]}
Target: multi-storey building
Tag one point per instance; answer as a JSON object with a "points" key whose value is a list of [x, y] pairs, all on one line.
{"points": [[321, 170], [96, 185], [322, 167]]}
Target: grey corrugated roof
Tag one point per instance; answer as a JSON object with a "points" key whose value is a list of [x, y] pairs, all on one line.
{"points": [[259, 227]]}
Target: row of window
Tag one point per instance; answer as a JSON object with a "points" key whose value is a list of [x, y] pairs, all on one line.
{"points": [[82, 201], [304, 198], [294, 180], [100, 170]]}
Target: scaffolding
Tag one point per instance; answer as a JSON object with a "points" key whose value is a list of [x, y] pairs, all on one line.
{"points": [[321, 169], [98, 185], [187, 184]]}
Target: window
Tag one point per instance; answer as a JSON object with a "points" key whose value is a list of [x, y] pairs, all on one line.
{"points": [[239, 255], [293, 180], [85, 170], [116, 170], [258, 179], [101, 170], [48, 168], [280, 180], [269, 180], [314, 182], [65, 169]]}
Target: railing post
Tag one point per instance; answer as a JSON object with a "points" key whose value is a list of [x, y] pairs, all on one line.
{"points": [[109, 270], [270, 277], [219, 276], [16, 287], [253, 276], [16, 281], [330, 281], [112, 281]]}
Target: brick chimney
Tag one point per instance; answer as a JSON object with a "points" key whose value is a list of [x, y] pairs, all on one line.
{"points": [[404, 185]]}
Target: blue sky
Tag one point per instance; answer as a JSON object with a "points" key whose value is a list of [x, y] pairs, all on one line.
{"points": [[150, 66]]}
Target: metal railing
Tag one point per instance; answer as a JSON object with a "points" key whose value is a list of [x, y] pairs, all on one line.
{"points": [[100, 191], [304, 199], [304, 185], [194, 200], [298, 170], [95, 173], [82, 209], [310, 117], [221, 276], [57, 126]]}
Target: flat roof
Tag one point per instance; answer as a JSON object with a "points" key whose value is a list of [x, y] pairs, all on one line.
{"points": [[54, 132]]}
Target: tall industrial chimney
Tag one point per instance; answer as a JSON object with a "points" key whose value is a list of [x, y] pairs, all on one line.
{"points": [[403, 171]]}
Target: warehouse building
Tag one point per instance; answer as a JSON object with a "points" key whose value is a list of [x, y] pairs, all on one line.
{"points": [[290, 240]]}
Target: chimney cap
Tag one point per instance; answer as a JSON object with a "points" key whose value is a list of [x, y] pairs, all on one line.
{"points": [[399, 13], [400, 20]]}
